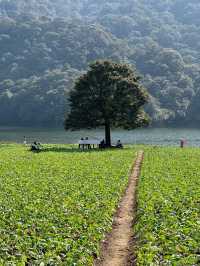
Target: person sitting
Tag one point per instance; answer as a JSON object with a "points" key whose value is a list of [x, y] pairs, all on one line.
{"points": [[119, 144], [88, 146], [81, 145], [25, 141], [102, 144], [36, 146]]}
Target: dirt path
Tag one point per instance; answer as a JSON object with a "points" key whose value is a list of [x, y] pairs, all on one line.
{"points": [[117, 249]]}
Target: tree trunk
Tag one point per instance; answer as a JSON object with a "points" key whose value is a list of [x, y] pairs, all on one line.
{"points": [[107, 134]]}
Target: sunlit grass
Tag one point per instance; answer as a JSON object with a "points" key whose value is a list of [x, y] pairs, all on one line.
{"points": [[168, 225], [56, 205]]}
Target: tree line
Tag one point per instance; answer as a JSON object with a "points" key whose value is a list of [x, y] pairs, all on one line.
{"points": [[45, 46]]}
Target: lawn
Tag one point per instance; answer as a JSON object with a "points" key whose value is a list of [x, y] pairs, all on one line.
{"points": [[168, 222], [56, 206]]}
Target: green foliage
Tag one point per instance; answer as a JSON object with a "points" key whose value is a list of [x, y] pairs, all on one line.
{"points": [[168, 228], [161, 38], [44, 98], [107, 92], [109, 95], [57, 205]]}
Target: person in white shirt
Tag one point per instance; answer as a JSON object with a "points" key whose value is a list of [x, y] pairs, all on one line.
{"points": [[25, 141]]}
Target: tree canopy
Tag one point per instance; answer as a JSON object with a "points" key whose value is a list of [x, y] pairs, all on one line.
{"points": [[108, 95]]}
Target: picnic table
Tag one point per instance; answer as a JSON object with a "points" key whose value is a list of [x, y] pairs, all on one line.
{"points": [[88, 144]]}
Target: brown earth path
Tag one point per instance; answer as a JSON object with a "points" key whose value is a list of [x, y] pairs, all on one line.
{"points": [[117, 249]]}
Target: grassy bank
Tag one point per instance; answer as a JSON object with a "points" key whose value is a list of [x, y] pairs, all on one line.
{"points": [[55, 206], [168, 226]]}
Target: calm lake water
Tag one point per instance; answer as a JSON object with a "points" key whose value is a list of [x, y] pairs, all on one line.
{"points": [[155, 136]]}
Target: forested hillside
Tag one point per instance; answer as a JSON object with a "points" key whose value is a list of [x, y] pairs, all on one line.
{"points": [[46, 44]]}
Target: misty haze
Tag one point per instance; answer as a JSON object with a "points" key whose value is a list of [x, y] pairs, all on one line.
{"points": [[99, 132], [45, 45]]}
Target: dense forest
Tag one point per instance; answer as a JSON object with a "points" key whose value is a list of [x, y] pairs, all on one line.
{"points": [[46, 44]]}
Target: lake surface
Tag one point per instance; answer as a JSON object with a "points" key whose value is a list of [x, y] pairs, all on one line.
{"points": [[155, 136]]}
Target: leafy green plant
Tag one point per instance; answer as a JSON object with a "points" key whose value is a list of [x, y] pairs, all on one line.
{"points": [[56, 206], [168, 226]]}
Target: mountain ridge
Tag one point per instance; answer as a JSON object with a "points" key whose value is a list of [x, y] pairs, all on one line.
{"points": [[160, 38]]}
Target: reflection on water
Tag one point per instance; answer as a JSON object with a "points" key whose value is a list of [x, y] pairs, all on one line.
{"points": [[155, 136]]}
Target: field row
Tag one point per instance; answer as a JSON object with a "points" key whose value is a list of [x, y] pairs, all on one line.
{"points": [[57, 205], [168, 228]]}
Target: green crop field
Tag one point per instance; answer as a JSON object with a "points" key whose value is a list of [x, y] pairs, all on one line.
{"points": [[168, 223], [55, 206]]}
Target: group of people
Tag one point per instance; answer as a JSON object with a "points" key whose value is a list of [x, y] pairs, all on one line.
{"points": [[102, 144], [35, 146], [85, 143]]}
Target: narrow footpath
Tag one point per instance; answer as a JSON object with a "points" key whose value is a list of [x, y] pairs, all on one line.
{"points": [[118, 248]]}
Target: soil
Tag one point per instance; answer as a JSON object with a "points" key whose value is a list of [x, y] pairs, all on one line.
{"points": [[118, 247]]}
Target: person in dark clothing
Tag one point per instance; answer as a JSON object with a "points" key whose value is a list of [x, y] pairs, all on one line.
{"points": [[88, 146], [81, 145], [36, 146], [102, 144], [119, 144]]}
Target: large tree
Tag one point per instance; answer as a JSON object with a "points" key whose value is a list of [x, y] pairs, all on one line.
{"points": [[108, 95]]}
